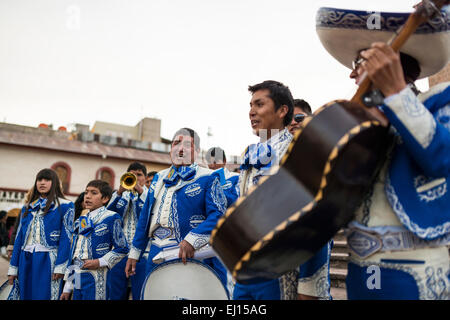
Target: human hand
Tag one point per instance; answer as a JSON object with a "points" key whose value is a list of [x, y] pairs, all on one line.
{"points": [[138, 188], [11, 279], [121, 190], [186, 251], [65, 296], [130, 268], [91, 264], [57, 276]]}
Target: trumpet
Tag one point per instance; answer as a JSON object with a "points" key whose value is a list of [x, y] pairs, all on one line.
{"points": [[128, 180]]}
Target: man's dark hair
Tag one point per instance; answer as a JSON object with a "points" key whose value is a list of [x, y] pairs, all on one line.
{"points": [[151, 174], [302, 104], [410, 66], [280, 95], [217, 154], [103, 186], [191, 133], [78, 205], [137, 166]]}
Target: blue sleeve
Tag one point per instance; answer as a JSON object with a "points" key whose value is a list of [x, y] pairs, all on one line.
{"points": [[62, 258], [232, 193], [118, 204], [119, 246], [139, 202], [215, 207], [140, 239], [426, 139]]}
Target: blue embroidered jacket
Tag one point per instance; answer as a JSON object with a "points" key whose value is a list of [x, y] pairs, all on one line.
{"points": [[106, 239], [229, 182], [419, 172], [129, 207], [196, 206], [55, 233]]}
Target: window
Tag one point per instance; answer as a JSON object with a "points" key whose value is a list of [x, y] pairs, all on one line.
{"points": [[63, 171], [106, 174]]}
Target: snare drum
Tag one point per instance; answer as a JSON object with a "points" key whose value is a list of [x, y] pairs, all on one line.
{"points": [[173, 280], [10, 292]]}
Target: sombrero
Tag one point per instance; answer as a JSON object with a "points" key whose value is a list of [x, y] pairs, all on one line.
{"points": [[345, 32]]}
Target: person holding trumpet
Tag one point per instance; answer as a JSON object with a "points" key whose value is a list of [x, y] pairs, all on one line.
{"points": [[128, 202]]}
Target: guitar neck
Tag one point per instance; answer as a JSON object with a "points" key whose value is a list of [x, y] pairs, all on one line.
{"points": [[421, 15]]}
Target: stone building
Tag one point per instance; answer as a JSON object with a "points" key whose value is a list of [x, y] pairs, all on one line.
{"points": [[103, 152], [78, 156]]}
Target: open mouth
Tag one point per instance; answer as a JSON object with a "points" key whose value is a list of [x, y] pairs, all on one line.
{"points": [[254, 123]]}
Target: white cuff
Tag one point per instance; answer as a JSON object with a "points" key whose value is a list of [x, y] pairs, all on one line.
{"points": [[134, 253], [413, 115], [317, 285], [13, 271], [68, 287], [197, 240], [60, 268], [143, 195], [102, 262]]}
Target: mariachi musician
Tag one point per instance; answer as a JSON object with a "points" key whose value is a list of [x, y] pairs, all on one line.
{"points": [[128, 202], [271, 111], [183, 205], [399, 236]]}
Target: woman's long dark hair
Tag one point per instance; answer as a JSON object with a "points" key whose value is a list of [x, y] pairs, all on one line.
{"points": [[78, 206], [54, 193]]}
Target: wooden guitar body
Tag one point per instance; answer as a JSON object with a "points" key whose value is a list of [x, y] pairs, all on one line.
{"points": [[281, 223]]}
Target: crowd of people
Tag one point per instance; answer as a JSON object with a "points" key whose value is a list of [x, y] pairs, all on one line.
{"points": [[103, 246]]}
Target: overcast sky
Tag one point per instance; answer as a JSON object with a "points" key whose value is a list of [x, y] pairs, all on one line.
{"points": [[186, 62]]}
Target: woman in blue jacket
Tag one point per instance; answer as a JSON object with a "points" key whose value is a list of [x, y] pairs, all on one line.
{"points": [[41, 248]]}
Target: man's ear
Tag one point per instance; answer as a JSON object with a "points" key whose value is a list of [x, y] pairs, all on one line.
{"points": [[105, 200], [283, 110]]}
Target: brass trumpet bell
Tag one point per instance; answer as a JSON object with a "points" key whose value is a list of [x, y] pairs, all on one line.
{"points": [[128, 180]]}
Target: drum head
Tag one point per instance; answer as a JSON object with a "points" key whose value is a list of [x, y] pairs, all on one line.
{"points": [[9, 292], [173, 280]]}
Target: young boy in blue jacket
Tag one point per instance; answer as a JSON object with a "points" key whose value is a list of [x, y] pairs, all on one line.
{"points": [[98, 244]]}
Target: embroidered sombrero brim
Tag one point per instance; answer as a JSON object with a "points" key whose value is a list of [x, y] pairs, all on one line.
{"points": [[344, 33]]}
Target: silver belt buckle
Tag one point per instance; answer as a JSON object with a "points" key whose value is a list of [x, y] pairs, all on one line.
{"points": [[162, 233], [364, 244], [78, 263]]}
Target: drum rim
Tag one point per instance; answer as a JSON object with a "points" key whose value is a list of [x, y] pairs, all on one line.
{"points": [[178, 260]]}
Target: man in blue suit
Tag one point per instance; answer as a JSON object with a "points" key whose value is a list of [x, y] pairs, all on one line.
{"points": [[183, 205]]}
